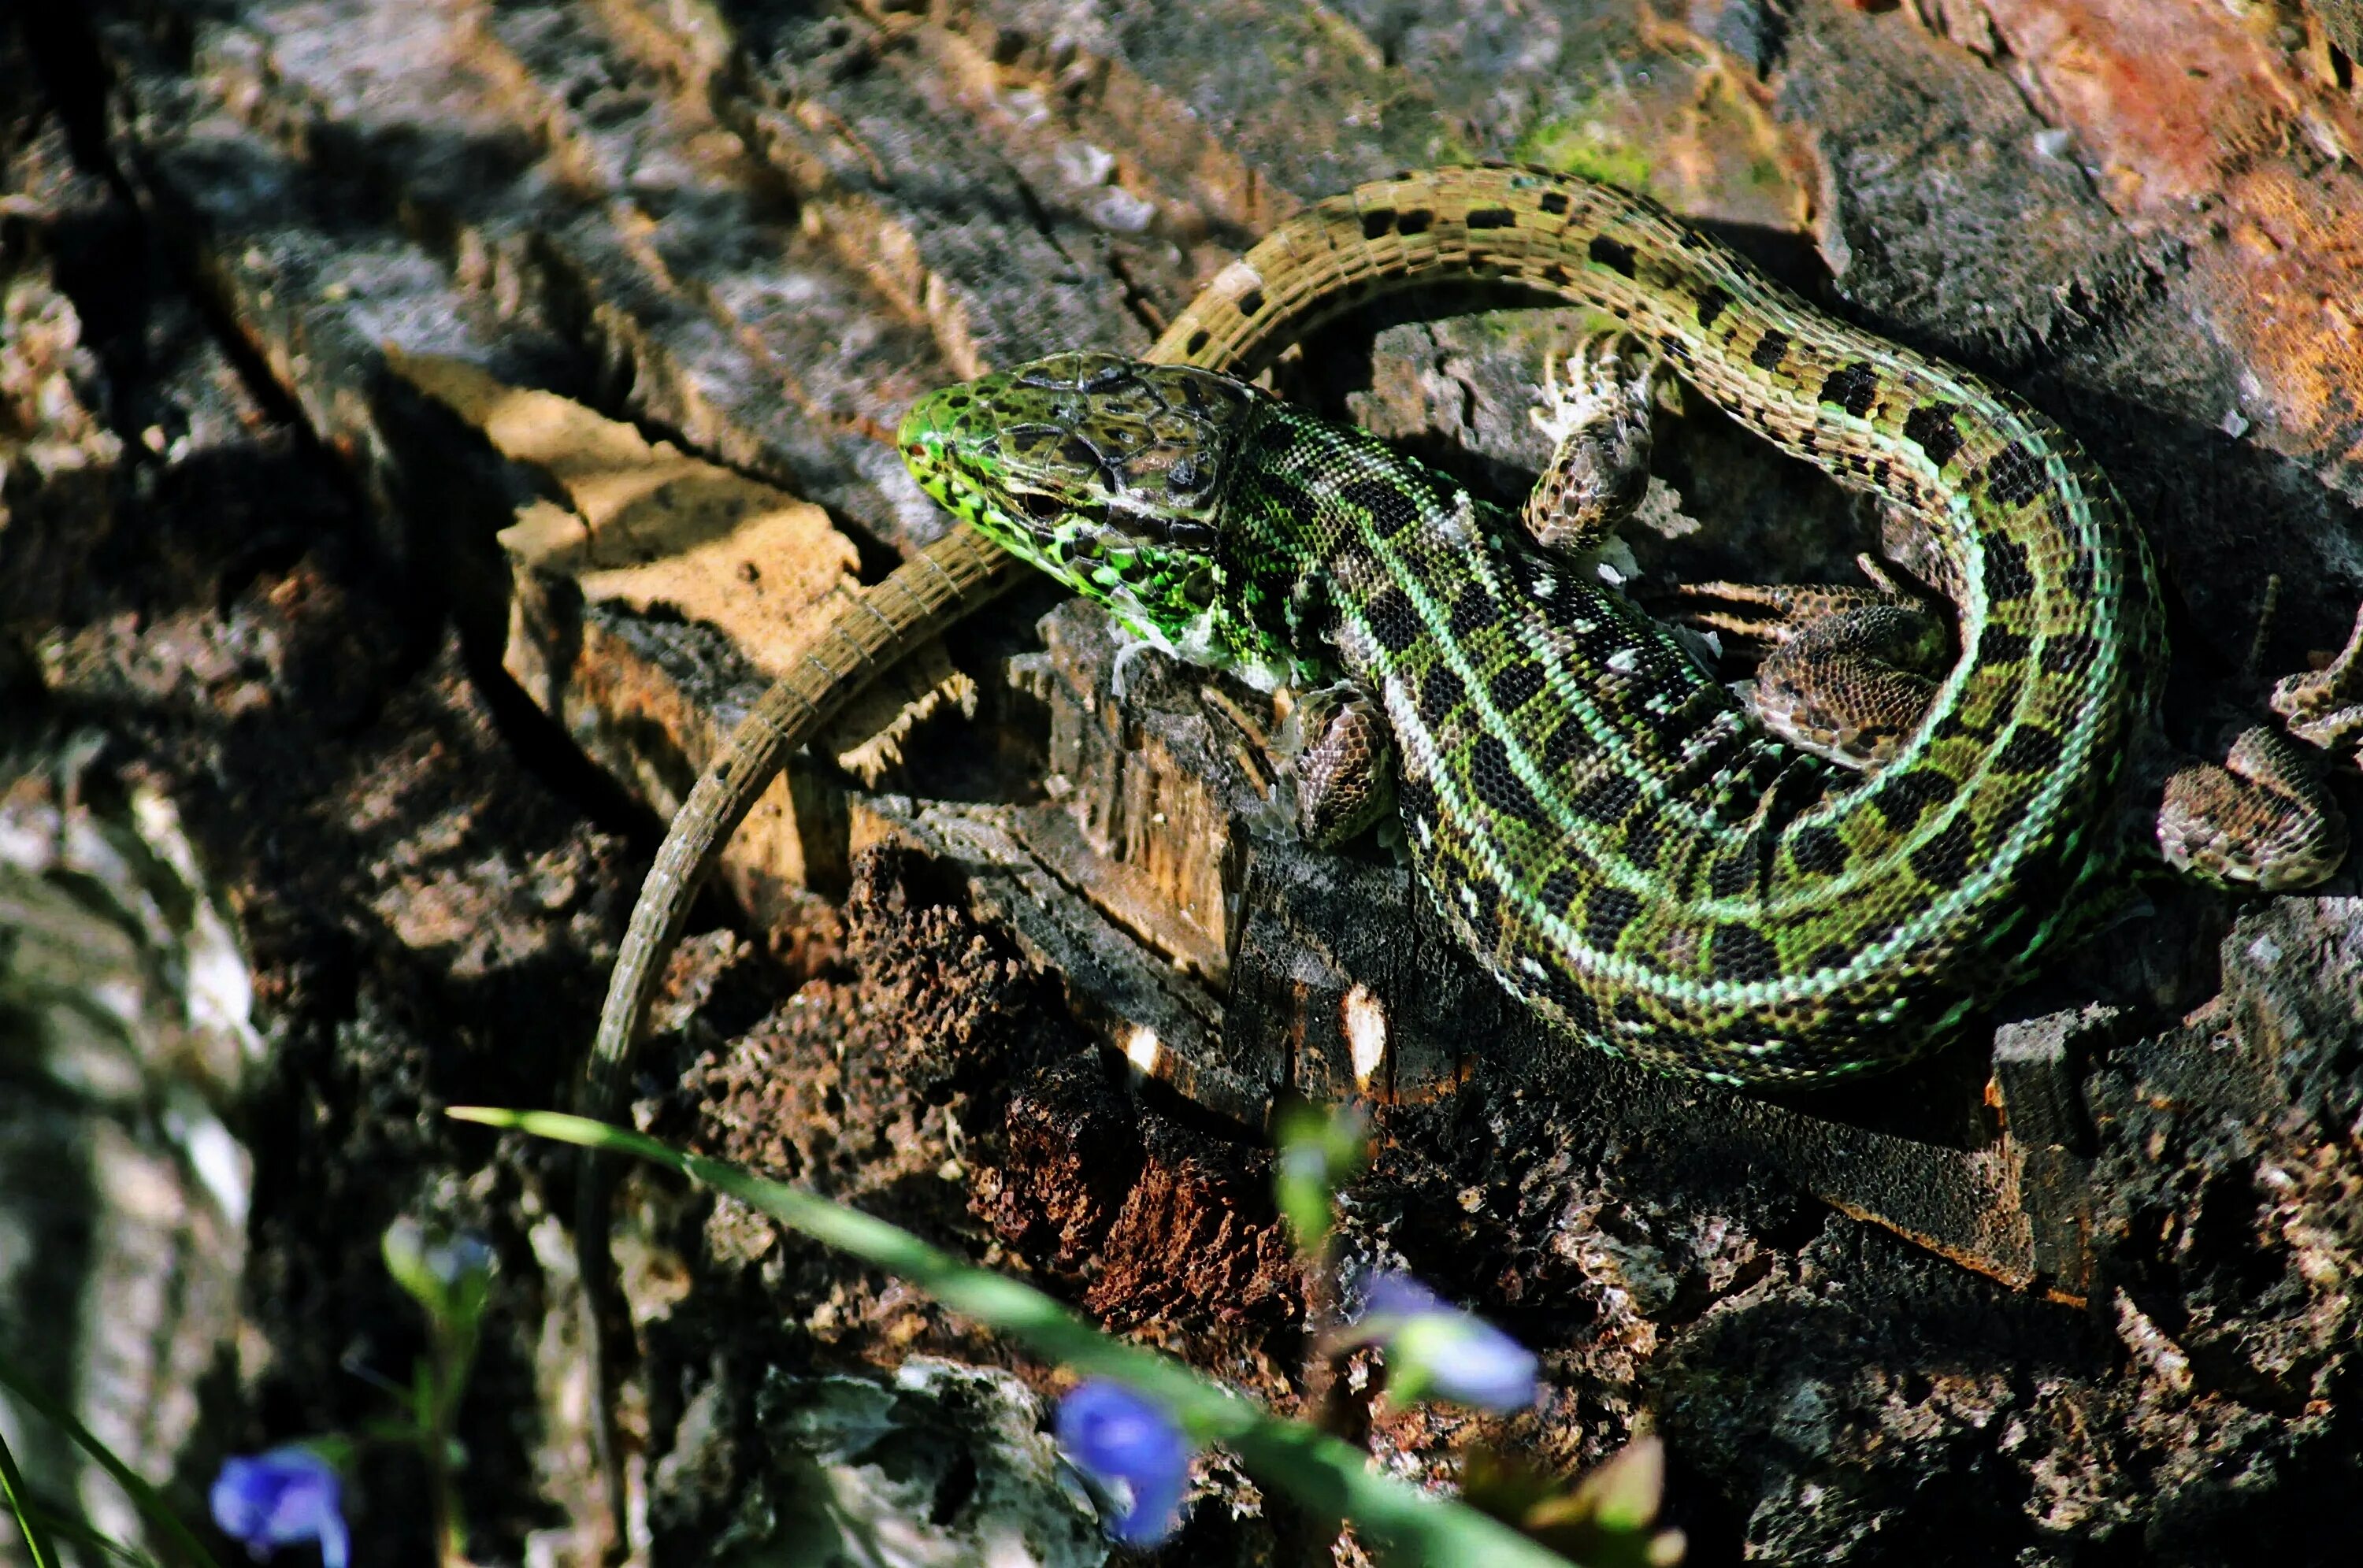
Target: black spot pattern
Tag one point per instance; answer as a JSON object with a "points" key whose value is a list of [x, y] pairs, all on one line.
{"points": [[1943, 860], [1711, 301], [1734, 871], [2030, 748], [1391, 620], [1903, 797], [1554, 203], [1609, 913], [1930, 428], [1415, 221], [1517, 685], [1388, 508], [1853, 386], [1440, 692], [1583, 1012], [1293, 497], [1607, 798], [2006, 575], [1558, 891], [1956, 726], [1819, 850], [1377, 221], [2077, 576], [1770, 350], [2069, 652], [2014, 477], [1473, 612], [1742, 953], [1837, 956], [1565, 744], [1616, 257], [1496, 785], [1493, 217], [1997, 645], [1417, 797]]}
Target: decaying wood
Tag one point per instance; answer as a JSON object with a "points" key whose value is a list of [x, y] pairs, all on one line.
{"points": [[721, 247]]}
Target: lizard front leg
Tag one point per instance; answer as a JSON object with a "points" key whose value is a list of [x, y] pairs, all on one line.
{"points": [[1341, 762], [1599, 425], [1849, 673]]}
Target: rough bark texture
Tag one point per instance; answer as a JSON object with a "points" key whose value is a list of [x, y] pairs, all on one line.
{"points": [[253, 626]]}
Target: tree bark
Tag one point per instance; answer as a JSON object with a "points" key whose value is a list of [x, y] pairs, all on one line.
{"points": [[1030, 978]]}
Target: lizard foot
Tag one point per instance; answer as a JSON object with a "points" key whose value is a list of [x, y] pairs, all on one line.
{"points": [[1599, 426], [1849, 672], [2325, 706], [2263, 818], [1341, 760]]}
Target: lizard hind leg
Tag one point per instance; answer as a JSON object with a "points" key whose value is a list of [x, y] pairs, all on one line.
{"points": [[1597, 423], [1847, 672], [2264, 817], [2325, 706]]}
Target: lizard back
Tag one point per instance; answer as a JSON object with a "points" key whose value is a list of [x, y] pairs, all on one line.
{"points": [[1585, 804]]}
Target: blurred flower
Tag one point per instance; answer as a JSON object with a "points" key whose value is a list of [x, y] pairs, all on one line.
{"points": [[450, 1275], [1121, 1438], [1318, 1150], [282, 1498], [457, 1260], [1439, 1351]]}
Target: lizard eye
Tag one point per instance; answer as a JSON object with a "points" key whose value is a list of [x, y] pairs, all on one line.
{"points": [[1040, 506]]}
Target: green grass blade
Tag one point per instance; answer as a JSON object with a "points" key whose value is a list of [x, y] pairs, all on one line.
{"points": [[12, 1490], [148, 1501], [1319, 1471], [67, 1528]]}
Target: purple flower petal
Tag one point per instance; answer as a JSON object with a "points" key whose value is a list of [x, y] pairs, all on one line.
{"points": [[284, 1498], [1470, 1362], [1117, 1435], [1393, 1295], [1433, 1349]]}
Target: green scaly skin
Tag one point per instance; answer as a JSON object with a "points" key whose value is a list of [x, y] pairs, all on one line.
{"points": [[1840, 928], [1589, 808], [1597, 842]]}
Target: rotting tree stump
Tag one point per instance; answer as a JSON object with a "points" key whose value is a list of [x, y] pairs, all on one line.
{"points": [[266, 569]]}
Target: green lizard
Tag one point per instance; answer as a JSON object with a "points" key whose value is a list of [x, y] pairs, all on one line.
{"points": [[1593, 810]]}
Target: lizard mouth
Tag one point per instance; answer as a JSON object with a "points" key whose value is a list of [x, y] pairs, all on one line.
{"points": [[1103, 472]]}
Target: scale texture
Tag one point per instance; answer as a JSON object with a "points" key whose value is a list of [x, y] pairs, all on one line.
{"points": [[1589, 808]]}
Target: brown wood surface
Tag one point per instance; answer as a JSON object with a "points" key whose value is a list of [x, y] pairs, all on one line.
{"points": [[250, 568]]}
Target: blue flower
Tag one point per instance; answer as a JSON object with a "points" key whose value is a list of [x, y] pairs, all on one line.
{"points": [[282, 1498], [1433, 1349], [1118, 1437], [460, 1259]]}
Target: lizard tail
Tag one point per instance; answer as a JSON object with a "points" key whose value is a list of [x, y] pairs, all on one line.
{"points": [[947, 580], [939, 585]]}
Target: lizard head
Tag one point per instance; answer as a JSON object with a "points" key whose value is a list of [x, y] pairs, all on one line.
{"points": [[1106, 474]]}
